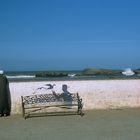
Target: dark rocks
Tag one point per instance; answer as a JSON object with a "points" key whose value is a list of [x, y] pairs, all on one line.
{"points": [[51, 74], [93, 71]]}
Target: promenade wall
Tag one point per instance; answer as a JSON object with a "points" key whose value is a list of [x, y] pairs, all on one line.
{"points": [[96, 94]]}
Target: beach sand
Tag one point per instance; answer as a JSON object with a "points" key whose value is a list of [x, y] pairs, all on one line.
{"points": [[95, 125]]}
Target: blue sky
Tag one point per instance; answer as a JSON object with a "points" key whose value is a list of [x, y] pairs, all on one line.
{"points": [[69, 34]]}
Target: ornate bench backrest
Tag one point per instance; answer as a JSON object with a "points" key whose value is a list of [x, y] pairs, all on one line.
{"points": [[71, 98]]}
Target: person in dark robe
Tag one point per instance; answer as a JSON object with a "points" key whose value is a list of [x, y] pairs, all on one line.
{"points": [[4, 96]]}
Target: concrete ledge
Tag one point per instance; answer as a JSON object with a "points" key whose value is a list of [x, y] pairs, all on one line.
{"points": [[100, 94]]}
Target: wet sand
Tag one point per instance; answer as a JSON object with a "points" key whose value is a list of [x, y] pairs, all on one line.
{"points": [[95, 125]]}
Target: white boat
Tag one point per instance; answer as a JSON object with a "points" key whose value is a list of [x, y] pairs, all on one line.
{"points": [[128, 72]]}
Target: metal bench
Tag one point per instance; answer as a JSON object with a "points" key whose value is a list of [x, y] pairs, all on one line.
{"points": [[51, 104]]}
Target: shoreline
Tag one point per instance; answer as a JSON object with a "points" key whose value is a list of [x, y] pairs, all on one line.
{"points": [[70, 79]]}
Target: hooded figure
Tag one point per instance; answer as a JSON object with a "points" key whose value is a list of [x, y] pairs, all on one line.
{"points": [[4, 95]]}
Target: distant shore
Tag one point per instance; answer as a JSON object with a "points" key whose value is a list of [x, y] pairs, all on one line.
{"points": [[86, 74], [76, 78]]}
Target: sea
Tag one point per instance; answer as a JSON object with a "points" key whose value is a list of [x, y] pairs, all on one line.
{"points": [[15, 76]]}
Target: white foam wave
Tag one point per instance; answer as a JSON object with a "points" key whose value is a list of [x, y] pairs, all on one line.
{"points": [[20, 76], [72, 75], [128, 72]]}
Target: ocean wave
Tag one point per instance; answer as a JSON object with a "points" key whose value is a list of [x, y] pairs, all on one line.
{"points": [[128, 72], [20, 76]]}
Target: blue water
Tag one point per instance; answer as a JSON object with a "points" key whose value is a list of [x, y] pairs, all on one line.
{"points": [[30, 76]]}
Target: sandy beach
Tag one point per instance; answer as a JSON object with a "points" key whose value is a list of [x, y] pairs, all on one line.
{"points": [[97, 125]]}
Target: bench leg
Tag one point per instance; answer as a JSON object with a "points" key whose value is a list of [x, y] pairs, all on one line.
{"points": [[80, 106], [23, 109], [80, 112]]}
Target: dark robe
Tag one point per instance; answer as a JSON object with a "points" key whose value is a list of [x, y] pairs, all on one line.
{"points": [[4, 96]]}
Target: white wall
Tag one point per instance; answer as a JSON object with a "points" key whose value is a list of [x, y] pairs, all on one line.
{"points": [[100, 94]]}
